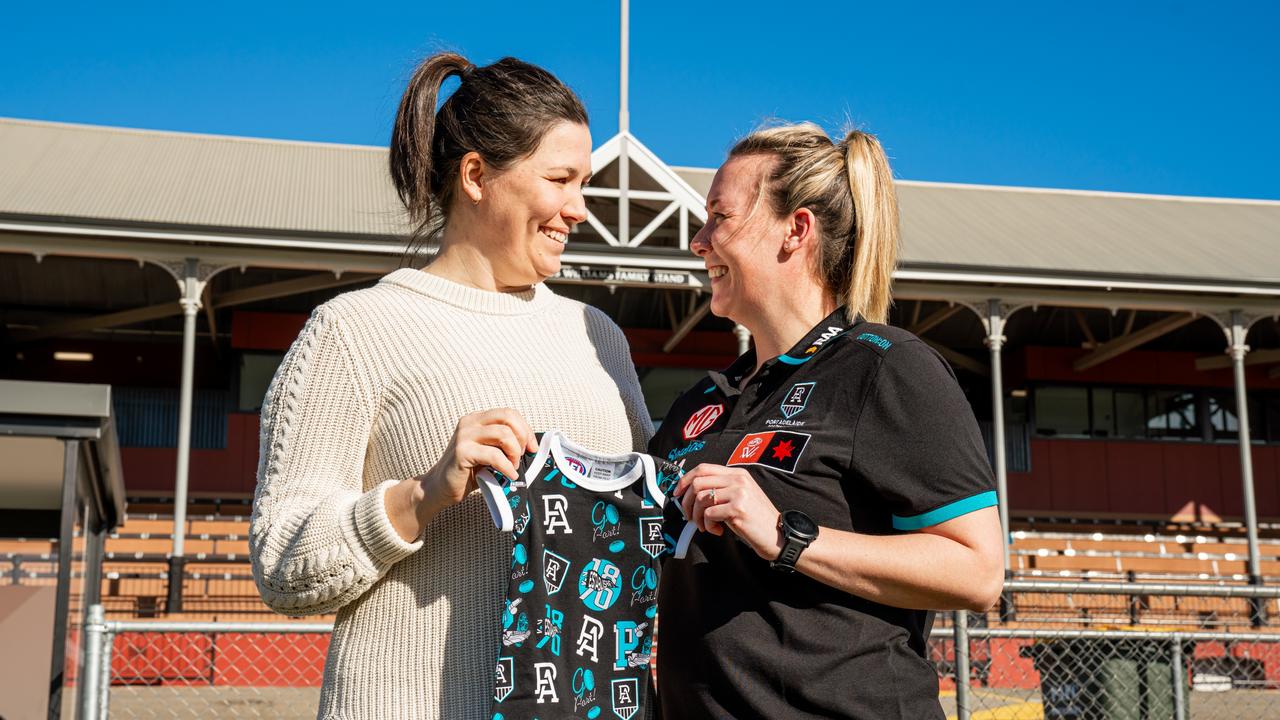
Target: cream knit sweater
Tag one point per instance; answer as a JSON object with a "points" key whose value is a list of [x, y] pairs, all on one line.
{"points": [[368, 395]]}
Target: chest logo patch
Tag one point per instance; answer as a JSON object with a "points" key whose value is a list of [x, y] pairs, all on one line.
{"points": [[778, 449], [797, 399], [700, 421]]}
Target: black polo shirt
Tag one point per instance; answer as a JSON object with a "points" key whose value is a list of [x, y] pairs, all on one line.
{"points": [[863, 427]]}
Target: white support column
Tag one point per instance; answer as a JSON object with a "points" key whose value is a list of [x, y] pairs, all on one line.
{"points": [[192, 277], [1238, 349], [192, 289], [995, 342], [624, 128]]}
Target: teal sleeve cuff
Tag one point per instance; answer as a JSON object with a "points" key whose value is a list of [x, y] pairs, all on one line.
{"points": [[950, 511]]}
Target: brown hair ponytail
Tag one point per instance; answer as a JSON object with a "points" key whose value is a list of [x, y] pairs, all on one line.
{"points": [[849, 188], [500, 111]]}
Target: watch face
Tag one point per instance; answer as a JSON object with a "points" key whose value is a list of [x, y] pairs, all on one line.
{"points": [[800, 523]]}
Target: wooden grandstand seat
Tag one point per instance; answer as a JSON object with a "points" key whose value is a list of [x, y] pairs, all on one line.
{"points": [[1176, 565], [1076, 563], [237, 526], [159, 545], [27, 547], [1119, 546], [145, 524]]}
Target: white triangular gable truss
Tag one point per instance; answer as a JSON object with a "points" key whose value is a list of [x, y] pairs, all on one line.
{"points": [[681, 200]]}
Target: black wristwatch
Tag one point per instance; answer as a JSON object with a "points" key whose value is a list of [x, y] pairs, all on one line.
{"points": [[798, 532]]}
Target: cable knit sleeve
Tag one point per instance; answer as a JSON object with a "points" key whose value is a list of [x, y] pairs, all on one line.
{"points": [[318, 539], [616, 355]]}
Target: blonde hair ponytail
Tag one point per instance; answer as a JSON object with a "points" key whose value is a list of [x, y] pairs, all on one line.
{"points": [[876, 231], [849, 188]]}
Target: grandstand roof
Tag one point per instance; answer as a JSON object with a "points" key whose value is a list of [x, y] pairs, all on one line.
{"points": [[81, 173]]}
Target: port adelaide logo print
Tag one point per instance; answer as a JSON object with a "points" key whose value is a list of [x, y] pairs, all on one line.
{"points": [[797, 399]]}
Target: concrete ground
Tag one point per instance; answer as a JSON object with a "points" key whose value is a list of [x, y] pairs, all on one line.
{"points": [[999, 704]]}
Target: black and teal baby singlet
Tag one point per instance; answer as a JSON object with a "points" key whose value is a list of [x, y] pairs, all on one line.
{"points": [[589, 535]]}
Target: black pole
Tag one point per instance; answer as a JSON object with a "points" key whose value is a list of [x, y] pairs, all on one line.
{"points": [[177, 573], [1257, 605]]}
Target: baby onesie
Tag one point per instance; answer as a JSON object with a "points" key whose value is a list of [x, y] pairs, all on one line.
{"points": [[589, 538]]}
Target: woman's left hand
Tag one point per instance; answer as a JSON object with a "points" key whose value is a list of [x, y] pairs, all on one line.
{"points": [[714, 496]]}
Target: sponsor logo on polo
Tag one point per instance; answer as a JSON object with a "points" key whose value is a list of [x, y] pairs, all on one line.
{"points": [[797, 399], [778, 449], [651, 536], [554, 569], [626, 697], [504, 678], [827, 334], [679, 453], [876, 340], [700, 421]]}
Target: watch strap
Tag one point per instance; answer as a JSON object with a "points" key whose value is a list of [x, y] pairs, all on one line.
{"points": [[792, 546]]}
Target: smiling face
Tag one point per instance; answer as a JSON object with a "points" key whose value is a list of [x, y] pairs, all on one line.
{"points": [[531, 206], [741, 241]]}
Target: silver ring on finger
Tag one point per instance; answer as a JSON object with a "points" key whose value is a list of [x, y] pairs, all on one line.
{"points": [[712, 496]]}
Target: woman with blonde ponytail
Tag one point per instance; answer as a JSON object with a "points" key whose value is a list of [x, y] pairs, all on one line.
{"points": [[393, 396], [836, 468]]}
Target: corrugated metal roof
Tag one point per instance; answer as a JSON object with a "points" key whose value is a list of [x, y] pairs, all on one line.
{"points": [[117, 174], [1090, 233], [273, 186], [1080, 232]]}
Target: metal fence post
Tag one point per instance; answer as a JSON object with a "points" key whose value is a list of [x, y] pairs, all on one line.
{"points": [[104, 694], [1179, 677], [962, 664], [92, 678]]}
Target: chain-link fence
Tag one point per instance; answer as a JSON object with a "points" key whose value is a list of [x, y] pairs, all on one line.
{"points": [[201, 670], [1063, 669], [1101, 651]]}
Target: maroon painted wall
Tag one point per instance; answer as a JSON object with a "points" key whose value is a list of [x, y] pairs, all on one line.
{"points": [[230, 472], [1131, 478]]}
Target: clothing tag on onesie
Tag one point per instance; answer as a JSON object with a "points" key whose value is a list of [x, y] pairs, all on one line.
{"points": [[590, 534]]}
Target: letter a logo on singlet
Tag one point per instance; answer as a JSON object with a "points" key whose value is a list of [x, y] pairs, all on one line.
{"points": [[505, 678], [545, 677], [554, 515], [626, 697], [651, 540], [589, 637], [554, 569]]}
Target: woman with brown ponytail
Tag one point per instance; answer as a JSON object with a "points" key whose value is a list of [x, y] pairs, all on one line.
{"points": [[394, 395], [836, 468]]}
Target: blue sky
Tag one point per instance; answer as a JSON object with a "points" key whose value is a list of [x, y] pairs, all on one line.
{"points": [[1168, 97]]}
